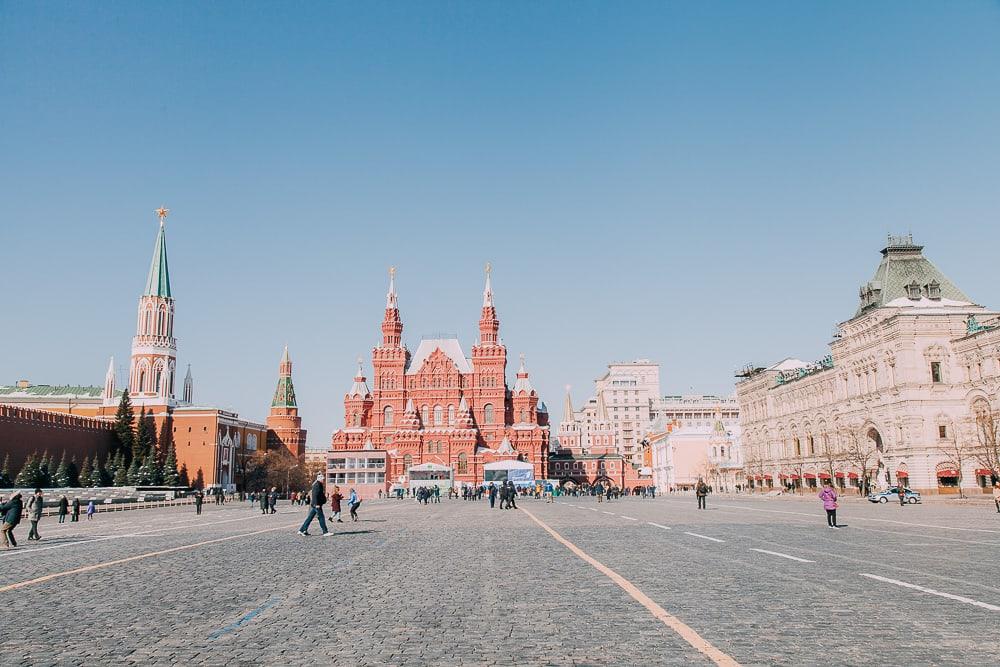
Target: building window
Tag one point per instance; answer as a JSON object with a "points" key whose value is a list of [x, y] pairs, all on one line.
{"points": [[387, 421], [942, 431], [936, 372], [934, 290], [407, 463], [451, 415], [463, 464], [913, 291], [356, 419], [488, 413], [425, 413], [438, 415]]}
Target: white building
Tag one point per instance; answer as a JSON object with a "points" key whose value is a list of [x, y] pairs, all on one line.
{"points": [[696, 437], [895, 400]]}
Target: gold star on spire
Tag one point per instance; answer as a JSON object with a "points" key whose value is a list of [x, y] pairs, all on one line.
{"points": [[162, 213]]}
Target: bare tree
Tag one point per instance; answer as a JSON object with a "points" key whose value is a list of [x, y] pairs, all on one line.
{"points": [[988, 451], [861, 452], [958, 452], [832, 455]]}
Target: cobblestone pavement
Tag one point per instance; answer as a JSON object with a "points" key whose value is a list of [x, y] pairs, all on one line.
{"points": [[763, 582]]}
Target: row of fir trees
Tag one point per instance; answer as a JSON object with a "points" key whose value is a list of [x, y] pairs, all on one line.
{"points": [[137, 458]]}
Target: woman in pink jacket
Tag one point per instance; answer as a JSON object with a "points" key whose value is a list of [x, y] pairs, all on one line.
{"points": [[829, 497]]}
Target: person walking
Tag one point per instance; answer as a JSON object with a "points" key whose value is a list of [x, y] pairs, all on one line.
{"points": [[437, 494], [63, 509], [335, 499], [829, 497], [35, 505], [76, 509], [511, 496], [996, 495], [493, 495], [199, 498], [701, 490], [600, 492], [90, 510], [317, 498], [10, 516], [901, 490], [263, 501], [272, 501], [354, 502]]}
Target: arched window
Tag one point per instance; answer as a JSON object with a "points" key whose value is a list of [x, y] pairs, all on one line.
{"points": [[158, 378], [426, 414], [407, 463], [356, 419], [387, 413], [438, 415], [524, 417], [451, 415], [488, 413], [142, 380], [161, 323], [463, 464]]}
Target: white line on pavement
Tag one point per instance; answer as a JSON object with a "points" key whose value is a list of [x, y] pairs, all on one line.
{"points": [[781, 555], [931, 591], [659, 526], [592, 509], [630, 518], [704, 537], [606, 512]]}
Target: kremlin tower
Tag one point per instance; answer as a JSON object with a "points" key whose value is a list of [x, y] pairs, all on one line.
{"points": [[284, 426], [154, 348]]}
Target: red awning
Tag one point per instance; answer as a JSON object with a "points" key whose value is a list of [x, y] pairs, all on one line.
{"points": [[950, 472], [852, 475], [795, 476], [839, 475], [983, 472], [768, 477], [758, 478], [902, 473], [826, 475], [782, 475], [810, 475]]}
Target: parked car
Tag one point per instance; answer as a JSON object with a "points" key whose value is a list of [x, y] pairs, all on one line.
{"points": [[892, 495]]}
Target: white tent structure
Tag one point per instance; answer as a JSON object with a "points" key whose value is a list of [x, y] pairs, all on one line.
{"points": [[430, 474], [519, 472]]}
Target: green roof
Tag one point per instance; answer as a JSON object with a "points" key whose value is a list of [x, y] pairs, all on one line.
{"points": [[903, 267], [52, 390], [158, 282], [284, 395]]}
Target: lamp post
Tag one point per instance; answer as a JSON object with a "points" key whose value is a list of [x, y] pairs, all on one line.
{"points": [[288, 475]]}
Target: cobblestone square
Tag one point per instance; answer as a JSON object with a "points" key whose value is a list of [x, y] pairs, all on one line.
{"points": [[575, 582]]}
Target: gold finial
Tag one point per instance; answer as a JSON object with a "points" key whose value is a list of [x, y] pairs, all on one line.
{"points": [[489, 268], [162, 213], [392, 271]]}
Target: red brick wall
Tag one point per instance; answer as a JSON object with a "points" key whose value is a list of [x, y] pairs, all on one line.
{"points": [[24, 431]]}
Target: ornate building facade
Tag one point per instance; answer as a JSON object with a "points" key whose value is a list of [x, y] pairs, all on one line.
{"points": [[284, 425], [436, 406], [895, 401]]}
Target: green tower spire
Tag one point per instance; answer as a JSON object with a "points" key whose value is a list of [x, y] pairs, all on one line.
{"points": [[158, 282]]}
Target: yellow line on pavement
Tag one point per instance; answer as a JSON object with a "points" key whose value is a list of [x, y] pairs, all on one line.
{"points": [[120, 561], [686, 632]]}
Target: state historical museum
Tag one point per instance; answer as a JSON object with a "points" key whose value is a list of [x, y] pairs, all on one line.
{"points": [[437, 406]]}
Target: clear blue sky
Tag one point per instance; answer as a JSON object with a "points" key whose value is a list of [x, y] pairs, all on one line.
{"points": [[701, 183]]}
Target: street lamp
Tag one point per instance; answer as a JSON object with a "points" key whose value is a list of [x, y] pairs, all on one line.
{"points": [[288, 475]]}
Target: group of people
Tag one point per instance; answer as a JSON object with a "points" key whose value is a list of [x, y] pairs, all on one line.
{"points": [[12, 509], [427, 494], [317, 499]]}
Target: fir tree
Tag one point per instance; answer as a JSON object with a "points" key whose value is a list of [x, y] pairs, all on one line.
{"points": [[124, 425], [5, 474], [47, 470], [74, 472], [170, 475], [30, 474], [62, 472], [85, 471], [144, 439], [97, 473], [145, 474], [185, 481], [121, 472]]}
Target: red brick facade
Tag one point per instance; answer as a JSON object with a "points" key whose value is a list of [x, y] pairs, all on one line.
{"points": [[437, 406]]}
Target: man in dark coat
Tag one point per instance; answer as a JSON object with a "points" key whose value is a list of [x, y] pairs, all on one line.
{"points": [[493, 495], [701, 490], [10, 516], [63, 509], [263, 501], [317, 498], [76, 510], [199, 498]]}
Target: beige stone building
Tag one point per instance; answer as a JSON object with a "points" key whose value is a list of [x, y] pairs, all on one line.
{"points": [[896, 399]]}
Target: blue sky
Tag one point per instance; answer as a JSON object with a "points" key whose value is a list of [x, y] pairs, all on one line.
{"points": [[705, 184]]}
